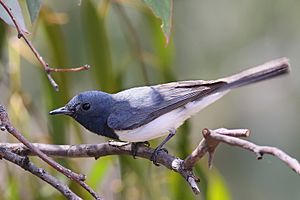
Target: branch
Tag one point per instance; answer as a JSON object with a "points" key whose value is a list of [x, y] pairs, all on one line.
{"points": [[213, 137], [208, 145], [184, 167], [47, 69], [106, 149], [5, 124], [24, 163]]}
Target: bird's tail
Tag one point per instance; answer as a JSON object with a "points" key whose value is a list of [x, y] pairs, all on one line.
{"points": [[262, 72]]}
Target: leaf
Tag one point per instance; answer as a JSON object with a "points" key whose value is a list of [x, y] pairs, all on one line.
{"points": [[56, 49], [98, 171], [164, 56], [217, 189], [97, 45], [34, 7], [163, 9], [15, 8]]}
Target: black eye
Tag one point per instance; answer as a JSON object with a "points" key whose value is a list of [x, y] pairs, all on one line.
{"points": [[86, 106]]}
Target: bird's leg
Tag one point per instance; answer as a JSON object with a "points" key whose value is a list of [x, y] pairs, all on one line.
{"points": [[159, 147], [135, 146]]}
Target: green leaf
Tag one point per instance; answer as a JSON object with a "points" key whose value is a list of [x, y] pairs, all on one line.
{"points": [[217, 189], [163, 9], [56, 49], [97, 45], [15, 8], [98, 171], [34, 7], [164, 56]]}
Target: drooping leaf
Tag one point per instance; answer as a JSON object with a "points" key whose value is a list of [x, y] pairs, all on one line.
{"points": [[164, 56], [34, 7], [15, 9], [97, 45], [217, 189], [163, 9], [98, 170], [58, 52]]}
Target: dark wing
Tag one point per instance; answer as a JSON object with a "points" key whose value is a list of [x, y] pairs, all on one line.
{"points": [[139, 106]]}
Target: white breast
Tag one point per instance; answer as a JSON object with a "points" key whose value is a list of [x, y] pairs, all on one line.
{"points": [[163, 124]]}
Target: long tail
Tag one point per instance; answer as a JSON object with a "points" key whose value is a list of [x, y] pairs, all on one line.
{"points": [[262, 72]]}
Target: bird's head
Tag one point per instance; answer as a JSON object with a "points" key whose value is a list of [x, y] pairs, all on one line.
{"points": [[89, 108]]}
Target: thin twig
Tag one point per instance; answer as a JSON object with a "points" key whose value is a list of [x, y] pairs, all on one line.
{"points": [[133, 36], [259, 151], [25, 163], [207, 145], [213, 137], [47, 69], [5, 124], [76, 69]]}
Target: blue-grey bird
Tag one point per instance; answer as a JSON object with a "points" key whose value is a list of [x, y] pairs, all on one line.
{"points": [[143, 113]]}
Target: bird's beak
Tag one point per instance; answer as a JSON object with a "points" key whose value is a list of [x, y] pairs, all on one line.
{"points": [[61, 111]]}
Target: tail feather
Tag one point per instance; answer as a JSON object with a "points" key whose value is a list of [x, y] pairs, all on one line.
{"points": [[262, 72]]}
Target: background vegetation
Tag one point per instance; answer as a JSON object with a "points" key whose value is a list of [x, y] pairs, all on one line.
{"points": [[209, 39]]}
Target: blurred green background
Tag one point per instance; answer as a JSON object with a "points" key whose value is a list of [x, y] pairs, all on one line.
{"points": [[210, 39]]}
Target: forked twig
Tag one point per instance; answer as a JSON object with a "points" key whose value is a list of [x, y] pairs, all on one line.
{"points": [[213, 137], [25, 163], [47, 69], [5, 124]]}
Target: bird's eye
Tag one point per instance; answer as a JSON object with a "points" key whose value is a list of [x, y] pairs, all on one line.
{"points": [[86, 106]]}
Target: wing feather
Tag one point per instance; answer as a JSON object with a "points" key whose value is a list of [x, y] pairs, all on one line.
{"points": [[133, 110]]}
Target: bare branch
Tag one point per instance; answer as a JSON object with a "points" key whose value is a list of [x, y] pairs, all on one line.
{"points": [[259, 151], [213, 137], [24, 163], [207, 145], [106, 149], [76, 69], [47, 69], [231, 132], [5, 124]]}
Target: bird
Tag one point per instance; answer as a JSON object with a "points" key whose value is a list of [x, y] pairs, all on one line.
{"points": [[144, 113]]}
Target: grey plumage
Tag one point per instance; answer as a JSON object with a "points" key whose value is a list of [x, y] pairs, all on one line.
{"points": [[154, 101]]}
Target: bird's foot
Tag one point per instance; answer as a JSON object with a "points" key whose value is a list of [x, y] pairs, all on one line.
{"points": [[155, 154], [135, 146]]}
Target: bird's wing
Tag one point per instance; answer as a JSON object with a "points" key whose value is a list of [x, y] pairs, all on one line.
{"points": [[139, 106]]}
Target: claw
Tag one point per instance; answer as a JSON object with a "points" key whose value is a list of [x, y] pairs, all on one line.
{"points": [[159, 147], [165, 150], [146, 143], [155, 154], [135, 146]]}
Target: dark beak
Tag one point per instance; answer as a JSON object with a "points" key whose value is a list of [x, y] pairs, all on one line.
{"points": [[61, 111]]}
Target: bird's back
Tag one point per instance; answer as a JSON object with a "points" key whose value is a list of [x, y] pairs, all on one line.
{"points": [[140, 105]]}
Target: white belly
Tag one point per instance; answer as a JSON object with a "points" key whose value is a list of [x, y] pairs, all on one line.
{"points": [[169, 121]]}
